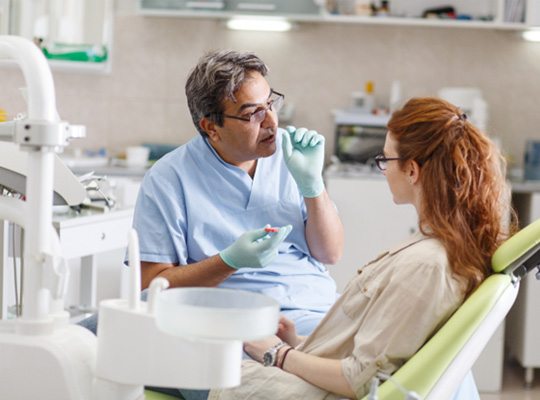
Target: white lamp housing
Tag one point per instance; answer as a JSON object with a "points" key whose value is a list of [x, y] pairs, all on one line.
{"points": [[259, 24], [531, 35]]}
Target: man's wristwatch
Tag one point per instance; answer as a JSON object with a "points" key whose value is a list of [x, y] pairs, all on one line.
{"points": [[270, 355]]}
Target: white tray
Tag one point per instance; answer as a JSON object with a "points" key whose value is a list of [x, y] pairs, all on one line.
{"points": [[211, 313]]}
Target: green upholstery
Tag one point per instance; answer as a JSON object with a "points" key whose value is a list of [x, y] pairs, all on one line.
{"points": [[516, 249], [424, 369], [151, 395]]}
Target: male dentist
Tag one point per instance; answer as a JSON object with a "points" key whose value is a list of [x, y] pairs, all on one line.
{"points": [[202, 209]]}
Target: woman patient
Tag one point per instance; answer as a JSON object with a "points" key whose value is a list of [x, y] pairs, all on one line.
{"points": [[436, 160]]}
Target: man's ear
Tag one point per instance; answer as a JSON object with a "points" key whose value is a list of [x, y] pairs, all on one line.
{"points": [[413, 172], [209, 127]]}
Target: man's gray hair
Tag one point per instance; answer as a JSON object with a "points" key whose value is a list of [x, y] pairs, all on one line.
{"points": [[216, 77]]}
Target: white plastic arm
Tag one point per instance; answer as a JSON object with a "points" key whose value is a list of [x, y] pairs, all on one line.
{"points": [[37, 74]]}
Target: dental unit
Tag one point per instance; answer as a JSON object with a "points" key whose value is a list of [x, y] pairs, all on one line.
{"points": [[189, 337]]}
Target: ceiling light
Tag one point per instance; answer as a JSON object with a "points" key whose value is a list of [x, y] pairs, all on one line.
{"points": [[259, 24], [532, 35]]}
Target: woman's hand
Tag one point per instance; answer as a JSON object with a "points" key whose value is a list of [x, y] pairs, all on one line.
{"points": [[287, 332], [256, 349]]}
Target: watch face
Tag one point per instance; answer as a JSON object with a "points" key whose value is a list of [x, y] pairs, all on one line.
{"points": [[268, 360]]}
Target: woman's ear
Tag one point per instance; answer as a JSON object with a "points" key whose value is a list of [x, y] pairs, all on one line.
{"points": [[209, 127], [413, 172]]}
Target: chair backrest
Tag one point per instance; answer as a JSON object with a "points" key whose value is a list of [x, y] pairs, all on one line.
{"points": [[438, 368]]}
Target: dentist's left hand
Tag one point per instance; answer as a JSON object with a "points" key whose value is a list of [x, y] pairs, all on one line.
{"points": [[254, 249], [303, 151]]}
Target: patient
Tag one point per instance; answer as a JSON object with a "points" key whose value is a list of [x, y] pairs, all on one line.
{"points": [[436, 160]]}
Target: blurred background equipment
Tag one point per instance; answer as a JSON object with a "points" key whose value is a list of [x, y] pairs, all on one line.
{"points": [[470, 101]]}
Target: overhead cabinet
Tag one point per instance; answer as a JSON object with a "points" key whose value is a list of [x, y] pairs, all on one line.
{"points": [[276, 6], [261, 7], [497, 14]]}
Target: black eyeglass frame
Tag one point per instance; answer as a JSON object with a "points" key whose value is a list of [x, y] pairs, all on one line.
{"points": [[268, 106], [381, 160]]}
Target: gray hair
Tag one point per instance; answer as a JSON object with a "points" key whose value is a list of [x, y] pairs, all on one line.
{"points": [[216, 77]]}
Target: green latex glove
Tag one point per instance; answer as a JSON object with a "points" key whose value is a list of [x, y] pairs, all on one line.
{"points": [[255, 249], [303, 151]]}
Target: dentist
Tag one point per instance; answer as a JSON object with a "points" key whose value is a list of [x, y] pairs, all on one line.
{"points": [[202, 208]]}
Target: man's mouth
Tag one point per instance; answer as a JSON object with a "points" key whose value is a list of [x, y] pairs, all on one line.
{"points": [[269, 139]]}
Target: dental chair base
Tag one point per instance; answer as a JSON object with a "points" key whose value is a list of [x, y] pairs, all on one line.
{"points": [[57, 363]]}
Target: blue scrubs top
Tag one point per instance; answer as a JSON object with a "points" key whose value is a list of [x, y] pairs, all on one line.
{"points": [[192, 205]]}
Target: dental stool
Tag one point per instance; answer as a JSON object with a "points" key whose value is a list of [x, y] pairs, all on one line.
{"points": [[438, 368]]}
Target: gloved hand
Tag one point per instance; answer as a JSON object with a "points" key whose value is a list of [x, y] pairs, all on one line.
{"points": [[303, 151], [254, 249]]}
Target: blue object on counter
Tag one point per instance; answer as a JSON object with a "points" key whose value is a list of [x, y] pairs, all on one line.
{"points": [[532, 160], [158, 150]]}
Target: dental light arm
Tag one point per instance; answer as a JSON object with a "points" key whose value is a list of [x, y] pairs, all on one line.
{"points": [[38, 135]]}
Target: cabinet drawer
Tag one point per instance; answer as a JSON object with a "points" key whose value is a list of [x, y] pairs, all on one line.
{"points": [[186, 5], [274, 6], [87, 239]]}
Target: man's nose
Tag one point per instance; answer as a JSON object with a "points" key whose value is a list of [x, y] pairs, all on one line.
{"points": [[270, 119]]}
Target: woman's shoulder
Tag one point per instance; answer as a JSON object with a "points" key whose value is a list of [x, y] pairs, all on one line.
{"points": [[428, 261], [425, 257], [420, 250]]}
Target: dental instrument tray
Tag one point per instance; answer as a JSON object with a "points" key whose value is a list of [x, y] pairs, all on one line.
{"points": [[213, 313]]}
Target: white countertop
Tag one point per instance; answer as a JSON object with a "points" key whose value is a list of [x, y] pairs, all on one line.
{"points": [[525, 186], [111, 170], [363, 171], [353, 170]]}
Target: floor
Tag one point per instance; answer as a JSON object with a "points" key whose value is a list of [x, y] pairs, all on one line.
{"points": [[513, 388]]}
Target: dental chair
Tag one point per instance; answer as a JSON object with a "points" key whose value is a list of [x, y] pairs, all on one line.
{"points": [[151, 395], [438, 368]]}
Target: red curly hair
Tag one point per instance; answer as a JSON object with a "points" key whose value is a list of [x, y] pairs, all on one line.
{"points": [[465, 199]]}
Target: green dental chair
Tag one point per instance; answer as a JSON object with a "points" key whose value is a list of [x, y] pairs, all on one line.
{"points": [[438, 368], [151, 395]]}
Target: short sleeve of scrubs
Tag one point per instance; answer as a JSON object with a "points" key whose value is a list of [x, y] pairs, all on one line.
{"points": [[159, 219]]}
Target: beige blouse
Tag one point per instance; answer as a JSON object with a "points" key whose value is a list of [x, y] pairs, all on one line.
{"points": [[387, 311]]}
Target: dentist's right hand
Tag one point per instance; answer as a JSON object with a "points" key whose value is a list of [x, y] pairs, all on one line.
{"points": [[254, 249], [303, 151]]}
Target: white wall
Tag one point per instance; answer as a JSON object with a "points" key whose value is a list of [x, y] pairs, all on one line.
{"points": [[316, 66]]}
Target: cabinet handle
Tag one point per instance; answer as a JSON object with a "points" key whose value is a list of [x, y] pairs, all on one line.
{"points": [[208, 5], [103, 236], [256, 7]]}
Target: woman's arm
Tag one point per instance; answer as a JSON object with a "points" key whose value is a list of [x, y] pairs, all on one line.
{"points": [[322, 372]]}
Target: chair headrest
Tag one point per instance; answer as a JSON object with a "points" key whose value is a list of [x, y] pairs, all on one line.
{"points": [[520, 251]]}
